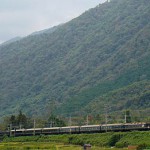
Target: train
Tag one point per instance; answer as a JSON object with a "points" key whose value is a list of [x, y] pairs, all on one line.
{"points": [[78, 129]]}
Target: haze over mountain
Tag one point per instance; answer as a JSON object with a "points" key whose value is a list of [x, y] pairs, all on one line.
{"points": [[101, 57]]}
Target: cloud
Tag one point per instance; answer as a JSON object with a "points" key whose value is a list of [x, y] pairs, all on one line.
{"points": [[22, 17]]}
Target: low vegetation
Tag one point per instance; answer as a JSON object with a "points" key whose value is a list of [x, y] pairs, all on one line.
{"points": [[48, 146], [118, 140], [35, 145]]}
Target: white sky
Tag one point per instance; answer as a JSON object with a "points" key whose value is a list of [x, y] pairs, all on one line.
{"points": [[22, 17]]}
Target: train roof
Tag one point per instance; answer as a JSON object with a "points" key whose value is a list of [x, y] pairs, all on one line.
{"points": [[51, 128], [27, 129], [90, 126], [84, 126], [70, 127]]}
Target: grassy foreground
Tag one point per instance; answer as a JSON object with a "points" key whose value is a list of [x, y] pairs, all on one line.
{"points": [[35, 145], [46, 146], [118, 140]]}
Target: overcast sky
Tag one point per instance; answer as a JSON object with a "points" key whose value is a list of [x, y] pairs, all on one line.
{"points": [[22, 17]]}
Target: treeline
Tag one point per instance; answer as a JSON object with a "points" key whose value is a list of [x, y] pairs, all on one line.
{"points": [[23, 121]]}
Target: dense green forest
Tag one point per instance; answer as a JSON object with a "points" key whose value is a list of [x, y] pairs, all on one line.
{"points": [[99, 58]]}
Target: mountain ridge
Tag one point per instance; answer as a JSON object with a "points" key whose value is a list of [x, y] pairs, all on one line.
{"points": [[106, 48]]}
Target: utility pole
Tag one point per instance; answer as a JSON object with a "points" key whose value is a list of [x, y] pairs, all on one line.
{"points": [[70, 123], [125, 117], [106, 116], [10, 128], [34, 126], [20, 126], [87, 120], [106, 119]]}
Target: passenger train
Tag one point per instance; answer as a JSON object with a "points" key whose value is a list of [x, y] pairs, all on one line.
{"points": [[78, 129]]}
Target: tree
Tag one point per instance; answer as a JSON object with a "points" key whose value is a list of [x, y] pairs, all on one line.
{"points": [[13, 120], [21, 119], [53, 121]]}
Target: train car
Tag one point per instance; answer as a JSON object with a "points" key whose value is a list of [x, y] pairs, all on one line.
{"points": [[17, 132], [53, 130], [90, 128], [112, 127], [33, 131], [26, 132], [136, 126], [2, 133], [124, 127], [70, 129], [147, 125]]}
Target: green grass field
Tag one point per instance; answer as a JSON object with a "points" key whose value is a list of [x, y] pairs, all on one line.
{"points": [[45, 145], [108, 140]]}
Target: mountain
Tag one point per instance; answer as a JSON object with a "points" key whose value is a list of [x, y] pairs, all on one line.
{"points": [[98, 58], [49, 30], [11, 40]]}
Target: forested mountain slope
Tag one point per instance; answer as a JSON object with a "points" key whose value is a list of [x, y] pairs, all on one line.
{"points": [[105, 49]]}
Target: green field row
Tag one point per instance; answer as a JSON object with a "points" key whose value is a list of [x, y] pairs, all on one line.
{"points": [[113, 139], [45, 145]]}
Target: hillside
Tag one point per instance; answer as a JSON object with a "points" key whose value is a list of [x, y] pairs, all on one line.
{"points": [[11, 41], [104, 51]]}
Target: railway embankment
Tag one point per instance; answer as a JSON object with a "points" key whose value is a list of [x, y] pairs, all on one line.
{"points": [[110, 139]]}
